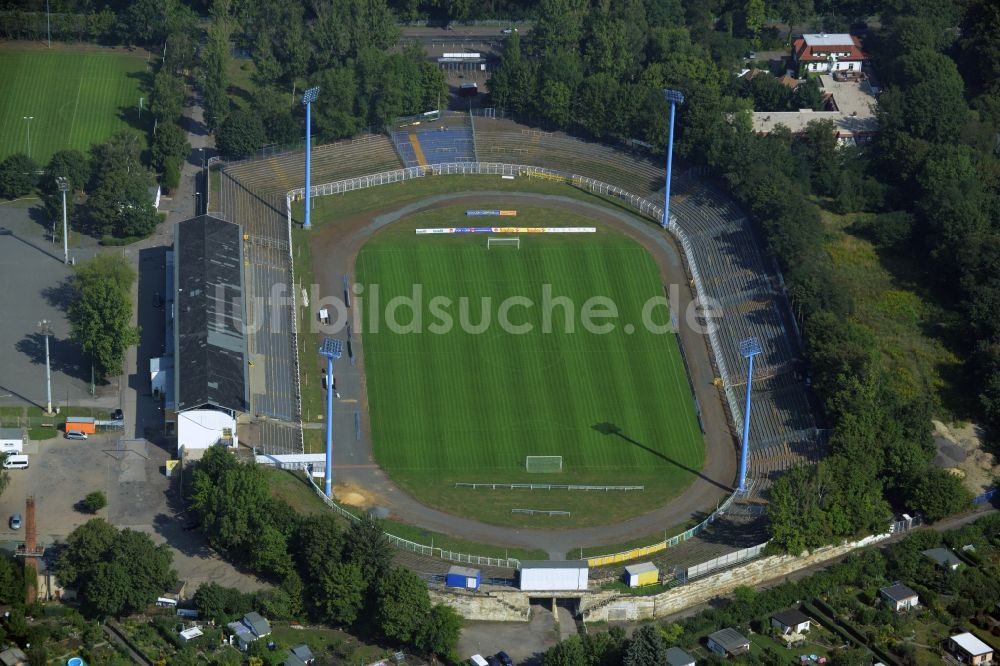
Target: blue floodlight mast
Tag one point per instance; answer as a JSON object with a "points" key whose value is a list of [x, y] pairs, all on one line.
{"points": [[674, 97], [331, 349], [748, 349], [308, 97]]}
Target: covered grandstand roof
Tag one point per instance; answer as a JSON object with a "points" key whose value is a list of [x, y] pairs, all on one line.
{"points": [[211, 361]]}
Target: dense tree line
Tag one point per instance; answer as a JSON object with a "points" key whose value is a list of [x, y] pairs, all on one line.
{"points": [[351, 580]]}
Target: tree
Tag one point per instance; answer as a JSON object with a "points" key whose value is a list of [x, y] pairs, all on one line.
{"points": [[122, 205], [167, 98], [71, 164], [937, 494], [94, 501], [646, 648], [441, 631], [367, 546], [114, 572], [17, 176], [318, 540], [565, 653], [122, 152], [339, 592], [143, 22], [169, 145], [242, 134], [222, 604], [402, 605], [100, 311], [557, 101]]}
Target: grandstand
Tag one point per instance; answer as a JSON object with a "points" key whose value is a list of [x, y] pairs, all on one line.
{"points": [[445, 141], [783, 430], [508, 142]]}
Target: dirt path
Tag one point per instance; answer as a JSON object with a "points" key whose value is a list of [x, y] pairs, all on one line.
{"points": [[335, 249]]}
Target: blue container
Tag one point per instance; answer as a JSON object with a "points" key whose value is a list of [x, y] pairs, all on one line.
{"points": [[463, 577]]}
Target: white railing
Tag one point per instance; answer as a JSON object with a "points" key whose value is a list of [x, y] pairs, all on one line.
{"points": [[723, 561], [421, 549]]}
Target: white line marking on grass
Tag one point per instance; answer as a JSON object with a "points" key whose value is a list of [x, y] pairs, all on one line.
{"points": [[76, 105]]}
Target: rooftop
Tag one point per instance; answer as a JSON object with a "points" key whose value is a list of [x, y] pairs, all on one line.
{"points": [[971, 644], [11, 433], [463, 571], [791, 617], [643, 567], [855, 103], [678, 657], [553, 564], [729, 639], [898, 592], [823, 39], [211, 360], [943, 556]]}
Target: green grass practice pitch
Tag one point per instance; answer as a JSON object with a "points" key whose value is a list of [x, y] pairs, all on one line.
{"points": [[469, 407], [75, 98]]}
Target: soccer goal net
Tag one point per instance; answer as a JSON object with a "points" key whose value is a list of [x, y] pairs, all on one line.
{"points": [[514, 242], [543, 464]]}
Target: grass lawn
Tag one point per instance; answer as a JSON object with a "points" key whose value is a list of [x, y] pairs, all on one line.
{"points": [[466, 406], [76, 98]]}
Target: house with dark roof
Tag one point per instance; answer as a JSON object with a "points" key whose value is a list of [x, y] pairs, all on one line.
{"points": [[900, 597], [822, 53], [208, 318], [791, 621], [299, 655], [728, 642], [248, 629], [678, 657], [943, 557]]}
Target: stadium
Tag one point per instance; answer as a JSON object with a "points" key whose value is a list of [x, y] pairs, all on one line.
{"points": [[566, 445]]}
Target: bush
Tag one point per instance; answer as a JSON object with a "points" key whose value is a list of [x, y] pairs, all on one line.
{"points": [[17, 176], [95, 501]]}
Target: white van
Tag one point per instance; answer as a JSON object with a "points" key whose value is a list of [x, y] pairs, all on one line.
{"points": [[478, 660], [16, 462]]}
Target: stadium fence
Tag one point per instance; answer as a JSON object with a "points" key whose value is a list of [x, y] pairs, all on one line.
{"points": [[543, 486], [727, 560], [419, 548]]}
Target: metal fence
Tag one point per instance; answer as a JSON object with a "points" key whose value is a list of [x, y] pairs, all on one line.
{"points": [[985, 497], [419, 548], [721, 562]]}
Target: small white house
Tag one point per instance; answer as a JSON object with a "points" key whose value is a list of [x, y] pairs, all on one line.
{"points": [[900, 597], [551, 575], [11, 441], [191, 634], [792, 621]]}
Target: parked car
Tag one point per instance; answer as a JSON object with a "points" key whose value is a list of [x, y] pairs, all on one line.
{"points": [[75, 434], [15, 521], [509, 31], [505, 658], [477, 660], [117, 415], [492, 661]]}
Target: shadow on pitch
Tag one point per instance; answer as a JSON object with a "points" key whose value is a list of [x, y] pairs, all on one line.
{"points": [[611, 429]]}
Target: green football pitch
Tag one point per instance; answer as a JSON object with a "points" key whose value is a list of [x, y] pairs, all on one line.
{"points": [[465, 406], [75, 98]]}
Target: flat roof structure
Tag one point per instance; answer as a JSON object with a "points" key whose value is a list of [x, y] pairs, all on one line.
{"points": [[971, 644], [210, 316], [855, 114]]}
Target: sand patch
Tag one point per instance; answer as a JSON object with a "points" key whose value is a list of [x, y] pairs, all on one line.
{"points": [[960, 447], [354, 495]]}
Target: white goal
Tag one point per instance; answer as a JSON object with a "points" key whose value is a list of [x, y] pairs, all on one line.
{"points": [[543, 464], [503, 242]]}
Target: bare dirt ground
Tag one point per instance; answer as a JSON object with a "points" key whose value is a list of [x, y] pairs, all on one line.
{"points": [[960, 448], [335, 249]]}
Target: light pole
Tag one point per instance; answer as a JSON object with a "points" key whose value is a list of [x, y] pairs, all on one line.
{"points": [[47, 331], [308, 97], [196, 202], [748, 349], [62, 182], [331, 350], [140, 108], [28, 135], [48, 23], [674, 97]]}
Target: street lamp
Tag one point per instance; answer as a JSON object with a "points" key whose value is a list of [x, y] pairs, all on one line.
{"points": [[28, 135], [331, 350], [62, 182], [674, 97], [308, 97], [48, 23], [47, 331], [748, 349], [196, 202]]}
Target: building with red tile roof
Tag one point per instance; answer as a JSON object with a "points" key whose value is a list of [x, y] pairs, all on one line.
{"points": [[819, 53]]}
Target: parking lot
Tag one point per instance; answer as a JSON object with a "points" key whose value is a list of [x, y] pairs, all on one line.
{"points": [[140, 497]]}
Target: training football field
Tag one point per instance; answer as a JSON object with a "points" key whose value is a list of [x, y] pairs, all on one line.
{"points": [[75, 98], [466, 406]]}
